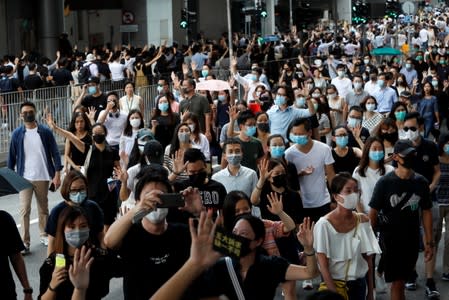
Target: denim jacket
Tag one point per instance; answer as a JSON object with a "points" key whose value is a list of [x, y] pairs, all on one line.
{"points": [[16, 156]]}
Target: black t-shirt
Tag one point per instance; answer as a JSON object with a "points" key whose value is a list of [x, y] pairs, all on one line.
{"points": [[92, 209], [150, 260], [62, 77], [364, 135], [260, 283], [99, 103], [32, 82], [401, 201], [346, 163], [426, 159], [12, 245], [252, 151], [100, 169], [291, 202], [165, 129]]}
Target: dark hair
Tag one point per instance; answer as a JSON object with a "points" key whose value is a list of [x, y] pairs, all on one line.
{"points": [[68, 215], [339, 127], [194, 118], [113, 93], [232, 141], [356, 108], [413, 115], [75, 115], [273, 136], [100, 125], [442, 140], [363, 102], [193, 155], [395, 105], [288, 93], [298, 122], [174, 145], [364, 160], [72, 176], [128, 131], [229, 203], [340, 181], [27, 103], [244, 116], [129, 82], [157, 112], [432, 89], [191, 82], [256, 224], [151, 173], [333, 87]]}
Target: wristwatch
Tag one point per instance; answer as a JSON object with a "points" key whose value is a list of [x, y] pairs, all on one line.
{"points": [[28, 290]]}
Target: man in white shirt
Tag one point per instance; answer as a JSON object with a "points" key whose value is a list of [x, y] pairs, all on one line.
{"points": [[342, 83], [253, 82], [314, 162], [371, 85]]}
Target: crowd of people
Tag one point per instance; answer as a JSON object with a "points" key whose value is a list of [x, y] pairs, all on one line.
{"points": [[334, 166]]}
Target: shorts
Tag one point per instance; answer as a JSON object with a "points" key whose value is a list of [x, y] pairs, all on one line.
{"points": [[399, 255]]}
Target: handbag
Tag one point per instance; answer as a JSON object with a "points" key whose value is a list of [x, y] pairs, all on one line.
{"points": [[340, 285], [235, 281]]}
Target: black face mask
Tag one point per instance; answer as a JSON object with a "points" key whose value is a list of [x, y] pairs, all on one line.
{"points": [[265, 127], [408, 161], [198, 179], [99, 138], [391, 137], [29, 117], [245, 249], [280, 181]]}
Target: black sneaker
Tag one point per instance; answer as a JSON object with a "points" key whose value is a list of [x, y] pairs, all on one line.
{"points": [[410, 286], [431, 290], [445, 276]]}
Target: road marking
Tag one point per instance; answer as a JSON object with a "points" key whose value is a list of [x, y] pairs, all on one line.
{"points": [[33, 221]]}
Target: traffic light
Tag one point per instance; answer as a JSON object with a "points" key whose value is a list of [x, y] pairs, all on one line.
{"points": [[184, 23], [360, 12], [263, 11], [393, 9]]}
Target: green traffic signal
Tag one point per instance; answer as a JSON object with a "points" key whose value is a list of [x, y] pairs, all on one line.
{"points": [[264, 14], [183, 24]]}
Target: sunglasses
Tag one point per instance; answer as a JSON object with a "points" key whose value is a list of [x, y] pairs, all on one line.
{"points": [[411, 128]]}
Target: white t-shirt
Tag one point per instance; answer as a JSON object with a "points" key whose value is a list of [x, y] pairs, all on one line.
{"points": [[35, 158], [127, 142], [371, 87], [117, 71], [203, 145], [115, 126], [344, 85], [367, 183], [314, 191]]}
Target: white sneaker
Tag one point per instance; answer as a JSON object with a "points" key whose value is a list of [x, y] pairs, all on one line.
{"points": [[307, 285], [44, 241], [381, 285]]}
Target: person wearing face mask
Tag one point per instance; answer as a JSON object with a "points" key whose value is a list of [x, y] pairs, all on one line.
{"points": [[357, 134], [409, 72], [357, 94], [152, 249], [74, 193], [283, 112], [114, 120], [164, 120], [92, 96], [98, 169], [197, 139], [343, 226], [371, 118], [74, 238], [251, 146], [130, 100], [341, 82], [401, 201], [427, 106], [337, 106], [346, 157], [371, 85], [252, 81], [385, 96], [128, 138], [174, 152], [34, 155], [314, 163], [235, 176]]}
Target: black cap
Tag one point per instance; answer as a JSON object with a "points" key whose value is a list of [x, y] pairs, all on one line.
{"points": [[404, 147], [93, 79], [154, 151]]}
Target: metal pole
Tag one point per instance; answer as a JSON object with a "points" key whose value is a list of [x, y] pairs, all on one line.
{"points": [[231, 54], [291, 13]]}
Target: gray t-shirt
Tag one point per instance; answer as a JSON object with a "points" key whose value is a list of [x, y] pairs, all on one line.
{"points": [[355, 99]]}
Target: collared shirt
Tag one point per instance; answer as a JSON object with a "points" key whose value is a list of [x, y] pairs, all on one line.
{"points": [[245, 180], [252, 85], [385, 98], [280, 119], [410, 75]]}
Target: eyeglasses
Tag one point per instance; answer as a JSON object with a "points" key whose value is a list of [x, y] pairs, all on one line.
{"points": [[413, 128]]}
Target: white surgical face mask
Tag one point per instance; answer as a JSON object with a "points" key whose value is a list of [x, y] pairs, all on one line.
{"points": [[349, 201], [157, 216], [412, 135], [135, 123]]}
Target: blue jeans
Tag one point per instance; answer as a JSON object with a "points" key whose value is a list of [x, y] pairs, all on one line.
{"points": [[357, 289]]}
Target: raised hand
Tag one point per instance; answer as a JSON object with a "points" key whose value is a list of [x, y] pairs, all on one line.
{"points": [[178, 162], [233, 112], [276, 206], [263, 169], [58, 276], [305, 234], [50, 121], [79, 271]]}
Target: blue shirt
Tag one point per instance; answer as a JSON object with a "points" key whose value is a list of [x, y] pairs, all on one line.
{"points": [[409, 75], [385, 98], [280, 119], [16, 155], [199, 59]]}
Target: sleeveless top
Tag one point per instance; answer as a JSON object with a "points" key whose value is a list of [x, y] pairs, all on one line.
{"points": [[346, 163]]}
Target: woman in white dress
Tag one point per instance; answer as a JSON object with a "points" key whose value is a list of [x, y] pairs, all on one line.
{"points": [[337, 106], [352, 260], [130, 100]]}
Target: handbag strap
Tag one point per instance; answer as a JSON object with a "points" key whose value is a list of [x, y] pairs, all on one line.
{"points": [[235, 281], [357, 221]]}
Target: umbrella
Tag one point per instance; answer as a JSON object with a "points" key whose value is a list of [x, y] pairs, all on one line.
{"points": [[213, 85], [11, 182], [385, 51]]}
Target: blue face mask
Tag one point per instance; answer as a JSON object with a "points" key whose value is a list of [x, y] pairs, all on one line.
{"points": [[253, 77], [380, 83], [341, 141], [92, 90], [446, 148], [221, 97], [78, 197], [353, 122], [278, 151], [400, 115], [250, 130], [299, 139], [204, 73], [279, 100], [376, 155], [163, 106], [300, 102]]}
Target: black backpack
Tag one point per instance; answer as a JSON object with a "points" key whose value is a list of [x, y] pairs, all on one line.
{"points": [[6, 85], [84, 73]]}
